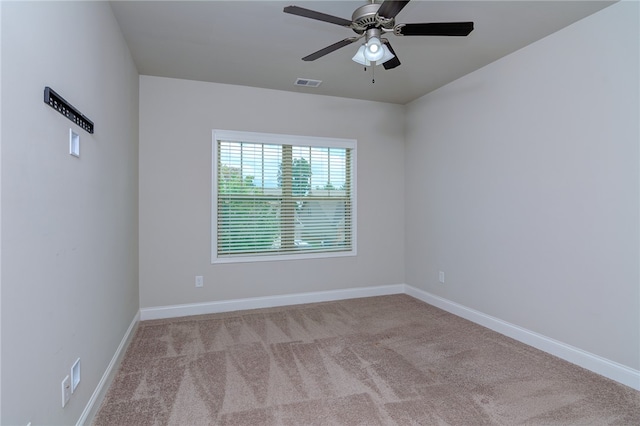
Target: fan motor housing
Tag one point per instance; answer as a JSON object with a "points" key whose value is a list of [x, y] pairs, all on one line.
{"points": [[366, 17]]}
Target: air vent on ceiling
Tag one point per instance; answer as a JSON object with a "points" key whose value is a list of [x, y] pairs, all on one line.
{"points": [[307, 82]]}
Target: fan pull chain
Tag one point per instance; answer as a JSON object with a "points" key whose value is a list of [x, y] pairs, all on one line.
{"points": [[373, 76]]}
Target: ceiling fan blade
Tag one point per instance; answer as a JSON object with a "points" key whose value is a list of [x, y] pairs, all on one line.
{"points": [[434, 29], [393, 62], [390, 8], [335, 46], [307, 13]]}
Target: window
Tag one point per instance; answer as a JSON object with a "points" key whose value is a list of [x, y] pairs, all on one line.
{"points": [[281, 195]]}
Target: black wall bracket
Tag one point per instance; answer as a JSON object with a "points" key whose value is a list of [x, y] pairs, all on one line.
{"points": [[58, 103]]}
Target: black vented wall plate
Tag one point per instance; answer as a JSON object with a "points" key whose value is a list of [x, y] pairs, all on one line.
{"points": [[58, 103]]}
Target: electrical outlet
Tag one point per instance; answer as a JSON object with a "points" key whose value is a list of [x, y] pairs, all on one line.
{"points": [[441, 277], [66, 390], [199, 281]]}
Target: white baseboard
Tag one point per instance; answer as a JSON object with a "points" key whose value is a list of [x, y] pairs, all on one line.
{"points": [[174, 311], [610, 369], [607, 368], [107, 377]]}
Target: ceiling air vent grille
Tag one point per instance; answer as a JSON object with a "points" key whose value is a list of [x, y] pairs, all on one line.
{"points": [[305, 82]]}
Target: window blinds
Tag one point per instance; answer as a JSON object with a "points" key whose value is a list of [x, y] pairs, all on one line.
{"points": [[282, 198]]}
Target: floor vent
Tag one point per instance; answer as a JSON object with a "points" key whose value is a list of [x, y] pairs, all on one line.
{"points": [[307, 83]]}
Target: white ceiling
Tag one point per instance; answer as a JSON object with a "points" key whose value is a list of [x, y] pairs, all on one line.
{"points": [[254, 43]]}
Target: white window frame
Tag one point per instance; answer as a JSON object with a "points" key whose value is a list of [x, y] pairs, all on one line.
{"points": [[279, 139]]}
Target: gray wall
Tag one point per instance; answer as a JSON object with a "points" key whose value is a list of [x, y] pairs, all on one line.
{"points": [[69, 225], [522, 185], [520, 181], [176, 122]]}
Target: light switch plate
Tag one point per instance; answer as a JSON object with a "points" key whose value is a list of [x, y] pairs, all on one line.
{"points": [[74, 143]]}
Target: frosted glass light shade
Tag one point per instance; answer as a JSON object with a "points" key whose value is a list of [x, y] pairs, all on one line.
{"points": [[387, 54], [373, 51], [359, 57]]}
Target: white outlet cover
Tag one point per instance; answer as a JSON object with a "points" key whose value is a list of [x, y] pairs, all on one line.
{"points": [[75, 375], [66, 391]]}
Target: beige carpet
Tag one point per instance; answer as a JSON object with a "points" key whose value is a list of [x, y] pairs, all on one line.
{"points": [[389, 360]]}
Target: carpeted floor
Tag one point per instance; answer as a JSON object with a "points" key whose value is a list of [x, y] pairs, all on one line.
{"points": [[389, 360]]}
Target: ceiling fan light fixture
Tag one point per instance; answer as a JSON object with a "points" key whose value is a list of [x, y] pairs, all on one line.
{"points": [[361, 56], [373, 50]]}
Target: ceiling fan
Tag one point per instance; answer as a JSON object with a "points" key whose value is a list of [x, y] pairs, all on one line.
{"points": [[371, 22]]}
